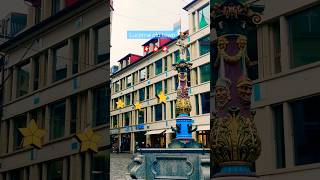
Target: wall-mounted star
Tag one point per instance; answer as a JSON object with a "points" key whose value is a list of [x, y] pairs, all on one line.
{"points": [[120, 104], [162, 97], [137, 106], [32, 134], [89, 140]]}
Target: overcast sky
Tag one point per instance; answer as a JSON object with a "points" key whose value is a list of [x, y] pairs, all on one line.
{"points": [[142, 15], [7, 6]]}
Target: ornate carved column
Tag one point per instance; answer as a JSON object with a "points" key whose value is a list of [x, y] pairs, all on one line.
{"points": [[234, 139]]}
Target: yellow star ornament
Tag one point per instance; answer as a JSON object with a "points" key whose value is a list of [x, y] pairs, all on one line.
{"points": [[162, 97], [120, 104], [137, 106], [32, 134], [89, 140]]}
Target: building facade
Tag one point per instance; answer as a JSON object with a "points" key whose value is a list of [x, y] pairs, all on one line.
{"points": [[143, 120], [56, 75], [286, 94]]}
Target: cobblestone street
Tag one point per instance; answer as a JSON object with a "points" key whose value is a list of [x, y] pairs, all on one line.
{"points": [[118, 165]]}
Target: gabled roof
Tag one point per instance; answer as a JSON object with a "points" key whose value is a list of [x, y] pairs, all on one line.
{"points": [[127, 56], [190, 4]]}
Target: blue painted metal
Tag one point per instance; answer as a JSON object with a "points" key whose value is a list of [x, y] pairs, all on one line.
{"points": [[183, 121]]}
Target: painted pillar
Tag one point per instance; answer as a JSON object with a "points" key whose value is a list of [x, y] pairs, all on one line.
{"points": [[235, 143]]}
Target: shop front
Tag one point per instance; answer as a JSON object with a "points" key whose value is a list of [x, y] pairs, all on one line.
{"points": [[203, 135], [157, 139], [125, 142]]}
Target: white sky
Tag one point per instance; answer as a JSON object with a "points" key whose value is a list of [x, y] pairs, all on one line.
{"points": [[142, 15], [8, 6]]}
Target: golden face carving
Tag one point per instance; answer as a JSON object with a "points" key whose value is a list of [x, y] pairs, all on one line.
{"points": [[222, 96], [244, 88], [242, 42]]}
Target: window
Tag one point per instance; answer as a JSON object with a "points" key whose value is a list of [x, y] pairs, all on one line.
{"points": [[18, 174], [205, 102], [158, 65], [277, 46], [100, 166], [128, 99], [101, 44], [197, 103], [18, 122], [74, 114], [127, 116], [141, 117], [204, 16], [252, 53], [171, 109], [158, 87], [37, 15], [165, 59], [279, 136], [23, 78], [204, 45], [142, 74], [55, 6], [194, 28], [306, 130], [205, 73], [304, 30], [36, 72], [100, 106], [129, 81], [148, 92], [115, 121], [133, 100], [148, 72], [188, 54], [177, 56], [60, 62], [141, 94], [158, 112], [57, 119], [176, 80], [55, 170], [75, 54], [116, 86]]}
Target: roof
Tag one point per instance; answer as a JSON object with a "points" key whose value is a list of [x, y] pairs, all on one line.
{"points": [[150, 41], [190, 4], [43, 23], [142, 58], [128, 55]]}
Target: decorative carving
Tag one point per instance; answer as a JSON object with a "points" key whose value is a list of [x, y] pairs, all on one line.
{"points": [[244, 88], [235, 138], [183, 106], [89, 140], [32, 134], [222, 92]]}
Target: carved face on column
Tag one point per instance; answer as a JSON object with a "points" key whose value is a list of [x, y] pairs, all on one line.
{"points": [[242, 42], [244, 88], [222, 43], [222, 93]]}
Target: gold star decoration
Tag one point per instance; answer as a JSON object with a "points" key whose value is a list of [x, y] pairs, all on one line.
{"points": [[32, 134], [89, 140], [137, 106], [162, 97], [120, 104]]}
